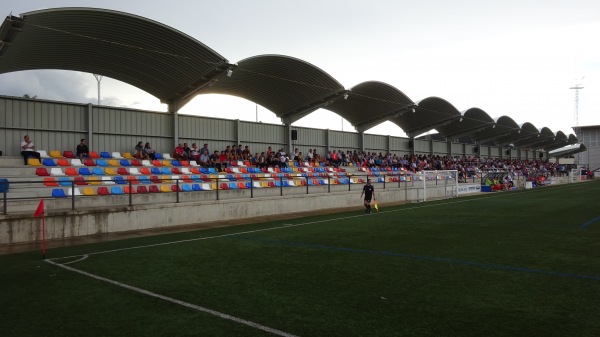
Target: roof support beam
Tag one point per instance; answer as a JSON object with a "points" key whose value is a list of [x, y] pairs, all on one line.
{"points": [[208, 78], [394, 113], [296, 114], [415, 132], [469, 131]]}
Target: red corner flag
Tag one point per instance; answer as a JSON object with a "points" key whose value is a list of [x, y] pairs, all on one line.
{"points": [[40, 212]]}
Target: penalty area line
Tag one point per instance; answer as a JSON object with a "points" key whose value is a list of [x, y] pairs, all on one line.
{"points": [[176, 301]]}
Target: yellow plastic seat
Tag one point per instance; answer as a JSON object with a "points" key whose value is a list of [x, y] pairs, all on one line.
{"points": [[166, 179], [55, 154], [167, 163], [33, 162], [127, 155], [114, 162], [110, 171], [89, 191], [94, 180], [165, 188]]}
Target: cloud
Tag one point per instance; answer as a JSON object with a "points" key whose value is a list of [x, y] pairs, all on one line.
{"points": [[54, 85]]}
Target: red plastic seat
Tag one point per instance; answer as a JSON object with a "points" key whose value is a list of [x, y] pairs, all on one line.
{"points": [[134, 180], [122, 171], [69, 154], [142, 189], [50, 182], [174, 188], [94, 154], [63, 162], [154, 189], [103, 191], [145, 170], [176, 170], [224, 186], [41, 172], [136, 162], [89, 162], [184, 163], [128, 190], [195, 170], [71, 171], [156, 162], [155, 179], [80, 181]]}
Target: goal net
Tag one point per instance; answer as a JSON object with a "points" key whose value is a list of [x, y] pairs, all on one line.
{"points": [[575, 176], [432, 185]]}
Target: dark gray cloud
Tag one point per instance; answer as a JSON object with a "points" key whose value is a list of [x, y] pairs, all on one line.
{"points": [[55, 85], [47, 84]]}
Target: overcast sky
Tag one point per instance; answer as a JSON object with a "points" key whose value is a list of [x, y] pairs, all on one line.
{"points": [[514, 58]]}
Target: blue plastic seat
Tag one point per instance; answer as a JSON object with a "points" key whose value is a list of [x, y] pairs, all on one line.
{"points": [[175, 162], [102, 162], [116, 189], [155, 170], [98, 171], [196, 178], [105, 155], [204, 170], [186, 188], [84, 171], [158, 156], [196, 187], [120, 180], [48, 162], [58, 193], [64, 181], [212, 170], [145, 180], [166, 171], [233, 186], [124, 162]]}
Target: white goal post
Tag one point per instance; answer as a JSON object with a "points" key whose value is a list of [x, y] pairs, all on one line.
{"points": [[441, 184], [575, 176]]}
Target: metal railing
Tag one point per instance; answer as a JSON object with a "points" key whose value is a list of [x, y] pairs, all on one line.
{"points": [[218, 186]]}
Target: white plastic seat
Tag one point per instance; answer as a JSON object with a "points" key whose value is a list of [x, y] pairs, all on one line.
{"points": [[117, 155], [146, 162], [76, 162], [56, 171], [43, 154], [167, 156], [77, 191], [107, 181], [134, 170]]}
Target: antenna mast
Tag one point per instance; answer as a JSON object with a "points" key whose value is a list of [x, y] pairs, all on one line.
{"points": [[577, 87]]}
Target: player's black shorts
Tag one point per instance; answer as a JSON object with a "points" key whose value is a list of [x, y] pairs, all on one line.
{"points": [[368, 199]]}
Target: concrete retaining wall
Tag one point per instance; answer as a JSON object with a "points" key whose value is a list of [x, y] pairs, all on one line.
{"points": [[21, 228]]}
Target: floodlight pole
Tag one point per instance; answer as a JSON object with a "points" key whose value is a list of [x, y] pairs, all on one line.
{"points": [[98, 79]]}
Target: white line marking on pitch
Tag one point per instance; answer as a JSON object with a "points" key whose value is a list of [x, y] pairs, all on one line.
{"points": [[178, 302], [287, 226]]}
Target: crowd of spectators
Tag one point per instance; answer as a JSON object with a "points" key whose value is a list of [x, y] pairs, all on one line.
{"points": [[466, 166]]}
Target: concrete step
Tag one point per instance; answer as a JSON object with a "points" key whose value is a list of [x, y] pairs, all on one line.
{"points": [[11, 161]]}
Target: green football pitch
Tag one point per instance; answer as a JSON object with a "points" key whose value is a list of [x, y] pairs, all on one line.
{"points": [[521, 263]]}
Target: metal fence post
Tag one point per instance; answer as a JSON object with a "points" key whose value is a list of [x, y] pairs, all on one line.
{"points": [[328, 184], [130, 194], [177, 189], [251, 188], [281, 186], [73, 195], [217, 189], [4, 197]]}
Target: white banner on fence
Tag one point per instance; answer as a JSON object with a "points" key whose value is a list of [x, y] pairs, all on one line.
{"points": [[464, 189]]}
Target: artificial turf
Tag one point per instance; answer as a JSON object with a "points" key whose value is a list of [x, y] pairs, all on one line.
{"points": [[522, 263]]}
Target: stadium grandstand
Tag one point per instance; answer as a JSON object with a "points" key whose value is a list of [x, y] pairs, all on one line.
{"points": [[113, 191]]}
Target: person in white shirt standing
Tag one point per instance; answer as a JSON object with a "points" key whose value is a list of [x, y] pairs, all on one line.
{"points": [[28, 149]]}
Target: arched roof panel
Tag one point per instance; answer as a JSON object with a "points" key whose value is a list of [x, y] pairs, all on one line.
{"points": [[289, 87], [146, 54], [472, 120], [430, 113], [503, 125], [370, 103]]}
